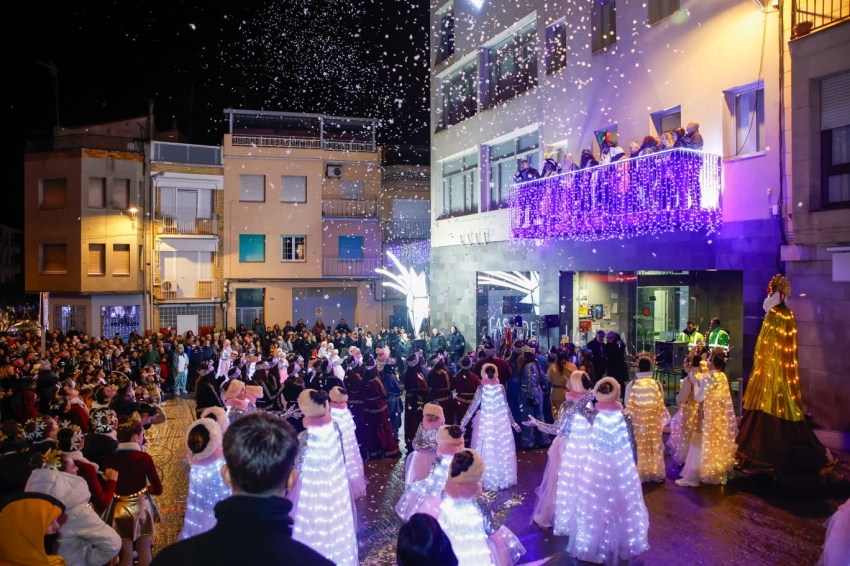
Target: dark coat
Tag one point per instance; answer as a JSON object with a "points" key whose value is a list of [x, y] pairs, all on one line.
{"points": [[264, 526]]}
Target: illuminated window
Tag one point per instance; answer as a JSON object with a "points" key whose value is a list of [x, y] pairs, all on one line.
{"points": [[293, 248]]}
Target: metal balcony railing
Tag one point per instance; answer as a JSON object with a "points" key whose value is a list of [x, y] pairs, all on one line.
{"points": [[187, 222], [186, 153], [300, 143], [336, 267], [341, 208], [406, 230], [810, 15], [92, 141], [186, 288], [673, 190]]}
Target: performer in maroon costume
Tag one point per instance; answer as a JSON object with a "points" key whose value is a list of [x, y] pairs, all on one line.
{"points": [[376, 417], [353, 386], [439, 386], [504, 370], [415, 396], [464, 384]]}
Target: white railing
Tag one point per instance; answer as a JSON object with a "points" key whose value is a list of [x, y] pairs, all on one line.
{"points": [[341, 208], [186, 288], [300, 143], [188, 221], [336, 267], [186, 153]]}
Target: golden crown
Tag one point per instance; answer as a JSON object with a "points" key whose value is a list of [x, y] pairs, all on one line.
{"points": [[779, 283], [52, 460]]}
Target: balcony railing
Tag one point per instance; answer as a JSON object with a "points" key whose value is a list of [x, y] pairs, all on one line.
{"points": [[341, 208], [187, 222], [87, 141], [186, 288], [300, 143], [336, 267], [809, 15], [186, 153], [406, 230], [677, 189]]}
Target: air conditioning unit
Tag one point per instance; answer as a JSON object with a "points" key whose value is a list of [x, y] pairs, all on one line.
{"points": [[167, 285], [334, 171]]}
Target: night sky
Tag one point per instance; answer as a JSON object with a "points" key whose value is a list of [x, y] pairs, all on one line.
{"points": [[194, 59]]}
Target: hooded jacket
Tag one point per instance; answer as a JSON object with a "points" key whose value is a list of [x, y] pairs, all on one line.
{"points": [[85, 540], [23, 521]]}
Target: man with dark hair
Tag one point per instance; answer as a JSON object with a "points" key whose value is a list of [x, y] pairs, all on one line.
{"points": [[597, 348], [254, 526]]}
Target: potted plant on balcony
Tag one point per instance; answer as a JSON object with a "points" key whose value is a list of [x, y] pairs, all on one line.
{"points": [[801, 29]]}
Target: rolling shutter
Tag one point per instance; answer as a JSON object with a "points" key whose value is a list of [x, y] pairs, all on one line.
{"points": [[834, 102], [351, 247], [252, 188], [293, 188], [252, 248], [121, 259], [96, 259], [54, 193]]}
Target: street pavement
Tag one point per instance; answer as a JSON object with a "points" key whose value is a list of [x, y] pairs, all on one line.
{"points": [[750, 521]]}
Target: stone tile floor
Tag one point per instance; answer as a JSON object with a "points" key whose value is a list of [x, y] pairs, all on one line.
{"points": [[750, 521]]}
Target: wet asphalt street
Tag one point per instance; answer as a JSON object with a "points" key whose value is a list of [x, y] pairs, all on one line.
{"points": [[750, 521]]}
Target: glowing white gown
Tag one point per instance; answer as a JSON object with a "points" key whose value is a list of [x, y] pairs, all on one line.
{"points": [[416, 494], [492, 436], [476, 542], [556, 496], [611, 519], [206, 488], [353, 461], [323, 510]]}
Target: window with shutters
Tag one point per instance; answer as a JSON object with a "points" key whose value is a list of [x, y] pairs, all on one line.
{"points": [[121, 194], [556, 47], [351, 248], [97, 192], [661, 9], [745, 110], [252, 188], [54, 194], [351, 190], [835, 140], [121, 259], [97, 259], [603, 20], [252, 248], [293, 188], [293, 248], [54, 259]]}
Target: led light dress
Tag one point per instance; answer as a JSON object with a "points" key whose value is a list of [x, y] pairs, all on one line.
{"points": [[323, 510], [556, 495], [836, 550], [611, 519], [341, 415], [684, 422], [492, 436], [224, 360], [645, 407], [206, 486], [418, 464], [712, 452], [466, 518], [423, 496]]}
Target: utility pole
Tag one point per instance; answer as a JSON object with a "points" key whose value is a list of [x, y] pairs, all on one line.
{"points": [[54, 75]]}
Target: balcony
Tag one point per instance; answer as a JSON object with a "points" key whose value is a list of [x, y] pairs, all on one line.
{"points": [[186, 222], [674, 190], [406, 230], [810, 15], [87, 141], [360, 268], [349, 209], [183, 288], [186, 153]]}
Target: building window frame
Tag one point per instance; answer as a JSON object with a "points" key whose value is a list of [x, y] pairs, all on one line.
{"points": [[97, 263], [556, 46], [461, 173], [118, 261], [249, 190], [603, 25], [835, 141], [445, 33], [746, 141], [252, 255], [121, 199], [504, 163], [52, 253], [663, 119], [293, 189], [457, 94], [659, 10], [293, 248], [350, 248], [58, 199], [97, 192], [512, 64]]}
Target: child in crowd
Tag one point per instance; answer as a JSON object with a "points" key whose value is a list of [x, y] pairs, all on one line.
{"points": [[645, 407], [684, 422], [205, 455], [491, 430]]}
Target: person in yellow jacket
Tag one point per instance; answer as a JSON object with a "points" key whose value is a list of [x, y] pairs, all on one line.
{"points": [[25, 521], [717, 336], [691, 335]]}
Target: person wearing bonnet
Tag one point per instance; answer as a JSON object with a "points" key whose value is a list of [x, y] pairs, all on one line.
{"points": [[492, 437], [418, 463], [341, 415], [103, 439], [71, 440], [205, 455], [321, 495], [467, 519]]}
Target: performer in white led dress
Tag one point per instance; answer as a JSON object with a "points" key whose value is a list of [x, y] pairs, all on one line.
{"points": [[206, 485]]}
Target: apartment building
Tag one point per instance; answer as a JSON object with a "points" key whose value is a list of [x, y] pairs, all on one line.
{"points": [[185, 279], [302, 232], [84, 215], [818, 253], [11, 258]]}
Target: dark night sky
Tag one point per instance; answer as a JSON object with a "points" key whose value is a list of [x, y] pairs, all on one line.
{"points": [[193, 60]]}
